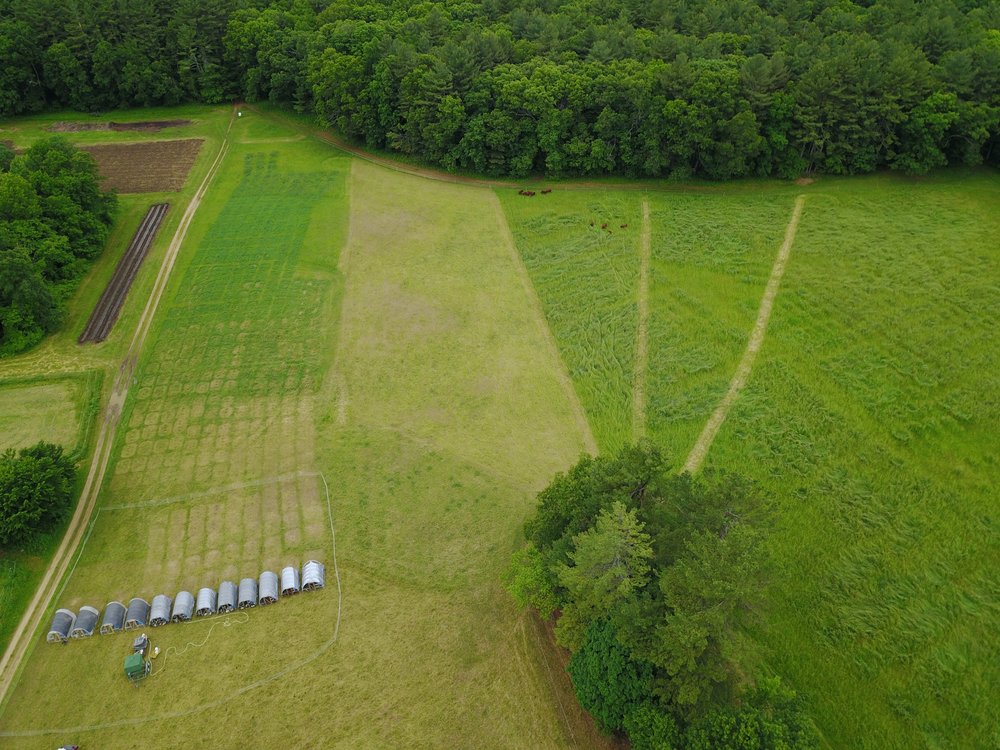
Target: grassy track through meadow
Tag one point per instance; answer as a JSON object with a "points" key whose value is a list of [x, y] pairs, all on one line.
{"points": [[697, 455]]}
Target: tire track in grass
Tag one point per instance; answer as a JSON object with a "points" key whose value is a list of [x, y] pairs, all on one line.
{"points": [[642, 332], [697, 456], [31, 620], [558, 365]]}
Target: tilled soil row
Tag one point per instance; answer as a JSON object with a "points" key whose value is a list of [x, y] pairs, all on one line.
{"points": [[109, 306]]}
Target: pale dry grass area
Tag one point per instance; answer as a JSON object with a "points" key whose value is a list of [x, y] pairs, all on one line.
{"points": [[30, 412]]}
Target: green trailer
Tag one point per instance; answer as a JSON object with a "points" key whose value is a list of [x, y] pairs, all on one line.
{"points": [[137, 667]]}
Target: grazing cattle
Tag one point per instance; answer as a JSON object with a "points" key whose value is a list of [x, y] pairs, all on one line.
{"points": [[604, 225], [623, 226], [546, 191]]}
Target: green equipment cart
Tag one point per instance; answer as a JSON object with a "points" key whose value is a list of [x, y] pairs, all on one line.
{"points": [[137, 667]]}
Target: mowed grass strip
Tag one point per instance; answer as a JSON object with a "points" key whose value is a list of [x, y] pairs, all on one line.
{"points": [[445, 414], [871, 417], [42, 410]]}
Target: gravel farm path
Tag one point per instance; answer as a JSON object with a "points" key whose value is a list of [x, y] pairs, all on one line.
{"points": [[37, 607]]}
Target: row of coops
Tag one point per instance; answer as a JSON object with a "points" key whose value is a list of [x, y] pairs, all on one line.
{"points": [[139, 613]]}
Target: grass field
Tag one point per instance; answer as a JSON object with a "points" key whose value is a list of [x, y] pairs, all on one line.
{"points": [[42, 410], [58, 359], [410, 371], [330, 316], [586, 280], [870, 417]]}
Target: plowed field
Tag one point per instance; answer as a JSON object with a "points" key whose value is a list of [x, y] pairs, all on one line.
{"points": [[147, 167]]}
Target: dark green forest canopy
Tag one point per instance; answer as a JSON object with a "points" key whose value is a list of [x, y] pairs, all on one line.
{"points": [[54, 220], [721, 89]]}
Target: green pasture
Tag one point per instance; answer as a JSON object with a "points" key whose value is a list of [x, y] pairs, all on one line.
{"points": [[870, 417], [400, 359], [327, 315]]}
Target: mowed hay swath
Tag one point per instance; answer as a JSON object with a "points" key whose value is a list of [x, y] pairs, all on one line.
{"points": [[146, 166], [110, 304]]}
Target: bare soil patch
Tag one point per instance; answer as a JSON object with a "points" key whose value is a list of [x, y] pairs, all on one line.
{"points": [[145, 167], [151, 126]]}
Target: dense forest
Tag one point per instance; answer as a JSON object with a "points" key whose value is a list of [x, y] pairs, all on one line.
{"points": [[54, 220], [716, 88], [36, 489], [652, 575]]}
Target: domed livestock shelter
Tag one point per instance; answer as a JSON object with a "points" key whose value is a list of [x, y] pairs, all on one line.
{"points": [[86, 621], [247, 593], [183, 606], [268, 591], [290, 581], [228, 597], [138, 613], [62, 624], [313, 575], [159, 613], [114, 618], [206, 602]]}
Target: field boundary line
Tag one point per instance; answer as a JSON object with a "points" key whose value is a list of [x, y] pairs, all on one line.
{"points": [[642, 330], [295, 665], [31, 620], [538, 313], [711, 429]]}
